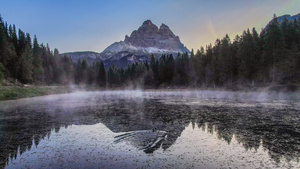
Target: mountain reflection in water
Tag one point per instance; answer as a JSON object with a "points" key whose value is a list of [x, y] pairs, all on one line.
{"points": [[272, 125], [147, 140]]}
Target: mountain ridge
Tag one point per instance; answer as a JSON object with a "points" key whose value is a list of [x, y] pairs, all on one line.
{"points": [[288, 16]]}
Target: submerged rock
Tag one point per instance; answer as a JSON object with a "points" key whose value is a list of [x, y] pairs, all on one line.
{"points": [[146, 140]]}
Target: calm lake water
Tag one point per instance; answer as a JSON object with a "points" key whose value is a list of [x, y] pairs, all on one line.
{"points": [[151, 129]]}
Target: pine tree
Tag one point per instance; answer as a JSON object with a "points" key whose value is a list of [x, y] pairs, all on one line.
{"points": [[47, 56], [84, 71], [273, 46], [8, 54], [147, 65], [37, 62], [13, 36], [196, 64], [25, 71], [154, 68], [69, 69], [203, 67], [101, 75], [215, 63], [1, 73], [246, 54], [78, 77], [181, 69], [296, 31], [287, 33], [226, 72], [113, 77], [28, 40], [58, 67], [169, 68], [3, 44], [21, 43], [235, 59]]}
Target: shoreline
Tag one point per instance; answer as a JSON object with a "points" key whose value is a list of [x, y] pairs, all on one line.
{"points": [[17, 92]]}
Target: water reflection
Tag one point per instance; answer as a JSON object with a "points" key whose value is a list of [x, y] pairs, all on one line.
{"points": [[146, 140], [275, 128]]}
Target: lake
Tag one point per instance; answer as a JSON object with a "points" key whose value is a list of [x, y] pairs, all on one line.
{"points": [[152, 129]]}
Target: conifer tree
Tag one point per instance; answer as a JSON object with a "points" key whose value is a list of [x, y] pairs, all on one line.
{"points": [[68, 68], [154, 68], [3, 44], [226, 60], [1, 72], [113, 77], [84, 71], [37, 62], [78, 77], [101, 75], [273, 45], [25, 71]]}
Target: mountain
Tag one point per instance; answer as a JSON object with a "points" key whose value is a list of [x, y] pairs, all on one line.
{"points": [[90, 56], [146, 40], [149, 39], [289, 17]]}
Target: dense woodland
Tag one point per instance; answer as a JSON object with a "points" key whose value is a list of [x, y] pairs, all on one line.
{"points": [[273, 56]]}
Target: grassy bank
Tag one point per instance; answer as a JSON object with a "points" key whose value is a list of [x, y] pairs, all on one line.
{"points": [[14, 92]]}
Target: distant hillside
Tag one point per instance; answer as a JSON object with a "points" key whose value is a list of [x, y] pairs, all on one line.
{"points": [[89, 55], [289, 17]]}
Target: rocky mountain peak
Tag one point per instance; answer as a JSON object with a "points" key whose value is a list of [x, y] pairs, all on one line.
{"points": [[147, 27], [149, 36], [147, 22], [166, 32], [164, 27]]}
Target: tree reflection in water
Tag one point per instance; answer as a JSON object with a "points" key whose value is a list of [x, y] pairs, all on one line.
{"points": [[276, 128]]}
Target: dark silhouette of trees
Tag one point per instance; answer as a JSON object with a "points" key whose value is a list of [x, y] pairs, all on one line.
{"points": [[1, 72], [37, 62], [101, 75], [113, 76]]}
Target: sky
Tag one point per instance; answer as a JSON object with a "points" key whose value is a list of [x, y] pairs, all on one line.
{"points": [[81, 25]]}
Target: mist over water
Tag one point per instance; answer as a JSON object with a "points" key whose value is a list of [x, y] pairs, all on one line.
{"points": [[162, 129]]}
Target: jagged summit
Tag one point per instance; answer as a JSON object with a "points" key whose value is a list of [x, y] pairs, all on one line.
{"points": [[164, 27], [148, 38], [166, 32], [147, 22]]}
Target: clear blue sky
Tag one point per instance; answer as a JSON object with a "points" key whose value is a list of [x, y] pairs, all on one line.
{"points": [[90, 25]]}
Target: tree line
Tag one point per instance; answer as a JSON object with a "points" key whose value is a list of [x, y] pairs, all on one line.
{"points": [[26, 61], [273, 56]]}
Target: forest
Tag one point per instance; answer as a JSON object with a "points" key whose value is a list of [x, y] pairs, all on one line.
{"points": [[250, 59]]}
